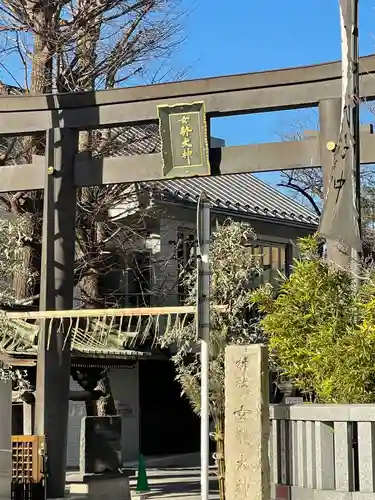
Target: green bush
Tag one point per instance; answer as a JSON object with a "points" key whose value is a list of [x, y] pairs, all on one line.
{"points": [[321, 332]]}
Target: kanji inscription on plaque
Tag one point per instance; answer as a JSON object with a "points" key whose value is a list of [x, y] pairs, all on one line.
{"points": [[184, 141]]}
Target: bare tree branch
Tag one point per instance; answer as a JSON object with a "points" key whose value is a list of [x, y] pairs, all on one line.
{"points": [[84, 45], [291, 185]]}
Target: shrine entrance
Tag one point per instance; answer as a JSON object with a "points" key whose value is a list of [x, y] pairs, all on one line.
{"points": [[168, 425], [184, 111]]}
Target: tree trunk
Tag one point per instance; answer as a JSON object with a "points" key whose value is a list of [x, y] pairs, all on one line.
{"points": [[105, 405], [96, 382], [22, 285], [42, 62], [89, 287], [41, 82], [220, 456]]}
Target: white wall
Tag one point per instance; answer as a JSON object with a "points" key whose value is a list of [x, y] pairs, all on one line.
{"points": [[77, 410], [165, 267]]}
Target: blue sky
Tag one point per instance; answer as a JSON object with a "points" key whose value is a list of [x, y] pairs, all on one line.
{"points": [[262, 35]]}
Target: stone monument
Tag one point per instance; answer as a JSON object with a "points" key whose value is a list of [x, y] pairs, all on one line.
{"points": [[100, 445], [247, 475], [101, 474]]}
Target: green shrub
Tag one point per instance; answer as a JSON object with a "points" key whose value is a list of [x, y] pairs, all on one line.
{"points": [[321, 332]]}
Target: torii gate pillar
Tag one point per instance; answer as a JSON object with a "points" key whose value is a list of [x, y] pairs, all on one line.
{"points": [[329, 124], [56, 293]]}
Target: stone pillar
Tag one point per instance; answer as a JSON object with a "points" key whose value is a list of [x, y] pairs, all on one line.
{"points": [[125, 390], [247, 423], [5, 439], [28, 418]]}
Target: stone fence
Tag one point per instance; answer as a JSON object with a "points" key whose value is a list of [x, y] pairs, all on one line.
{"points": [[322, 452]]}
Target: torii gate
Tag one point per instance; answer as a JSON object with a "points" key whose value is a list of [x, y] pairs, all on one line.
{"points": [[63, 171]]}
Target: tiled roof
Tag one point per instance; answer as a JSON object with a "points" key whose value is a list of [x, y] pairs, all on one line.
{"points": [[242, 193], [128, 140]]}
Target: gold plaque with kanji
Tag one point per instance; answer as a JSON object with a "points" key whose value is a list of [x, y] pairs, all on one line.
{"points": [[184, 140]]}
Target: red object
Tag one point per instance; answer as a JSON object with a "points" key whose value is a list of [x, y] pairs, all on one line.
{"points": [[282, 492]]}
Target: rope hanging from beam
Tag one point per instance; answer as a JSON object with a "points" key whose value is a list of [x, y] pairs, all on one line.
{"points": [[92, 331]]}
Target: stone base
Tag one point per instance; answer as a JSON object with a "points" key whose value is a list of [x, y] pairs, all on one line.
{"points": [[101, 486]]}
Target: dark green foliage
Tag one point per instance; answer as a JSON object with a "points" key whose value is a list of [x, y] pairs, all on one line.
{"points": [[321, 332]]}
